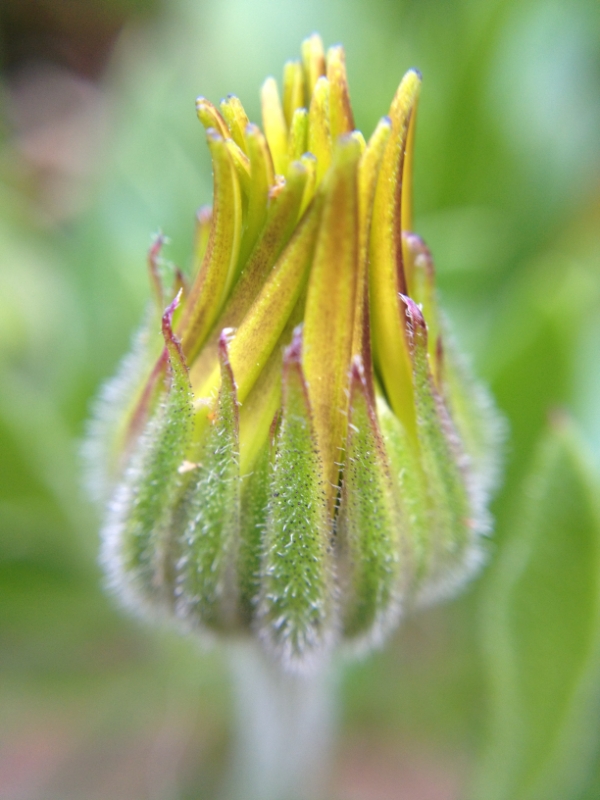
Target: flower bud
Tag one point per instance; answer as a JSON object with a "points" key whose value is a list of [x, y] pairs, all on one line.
{"points": [[294, 451]]}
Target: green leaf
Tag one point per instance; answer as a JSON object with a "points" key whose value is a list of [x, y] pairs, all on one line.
{"points": [[541, 632]]}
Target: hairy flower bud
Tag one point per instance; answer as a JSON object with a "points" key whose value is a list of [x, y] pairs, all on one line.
{"points": [[295, 451]]}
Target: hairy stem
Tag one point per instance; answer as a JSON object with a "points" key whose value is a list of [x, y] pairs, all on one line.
{"points": [[284, 727]]}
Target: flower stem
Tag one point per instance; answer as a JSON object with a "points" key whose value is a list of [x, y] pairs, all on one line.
{"points": [[284, 727]]}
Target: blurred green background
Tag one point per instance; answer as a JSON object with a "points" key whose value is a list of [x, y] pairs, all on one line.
{"points": [[495, 696]]}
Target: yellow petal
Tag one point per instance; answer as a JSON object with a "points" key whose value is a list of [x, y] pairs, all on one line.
{"points": [[387, 280], [260, 407], [319, 130], [298, 139], [282, 217], [313, 62], [236, 119], [201, 236], [261, 180], [368, 173], [293, 89], [210, 117], [213, 281], [407, 172], [241, 163], [342, 119], [264, 323], [329, 314], [309, 162], [274, 125]]}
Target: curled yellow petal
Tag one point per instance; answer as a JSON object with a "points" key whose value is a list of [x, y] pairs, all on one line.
{"points": [[368, 172], [236, 119], [387, 278], [268, 315], [213, 281], [261, 180]]}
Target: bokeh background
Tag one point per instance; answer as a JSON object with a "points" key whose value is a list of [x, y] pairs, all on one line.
{"points": [[495, 696]]}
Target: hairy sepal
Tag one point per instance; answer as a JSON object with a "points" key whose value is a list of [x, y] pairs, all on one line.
{"points": [[206, 580], [452, 549], [138, 545], [296, 609], [368, 540]]}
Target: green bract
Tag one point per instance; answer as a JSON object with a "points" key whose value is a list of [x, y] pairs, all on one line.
{"points": [[293, 452]]}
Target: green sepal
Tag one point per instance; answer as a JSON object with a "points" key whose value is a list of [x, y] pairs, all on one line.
{"points": [[206, 584], [296, 600], [256, 490], [411, 490], [481, 428], [421, 287], [451, 550], [146, 500], [368, 540]]}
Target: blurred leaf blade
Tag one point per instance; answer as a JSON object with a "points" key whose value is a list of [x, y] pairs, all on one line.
{"points": [[541, 634]]}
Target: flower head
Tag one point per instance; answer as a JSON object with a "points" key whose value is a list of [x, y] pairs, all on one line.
{"points": [[294, 449]]}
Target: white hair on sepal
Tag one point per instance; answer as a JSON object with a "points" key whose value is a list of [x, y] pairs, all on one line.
{"points": [[483, 418], [482, 431], [108, 409], [119, 580]]}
